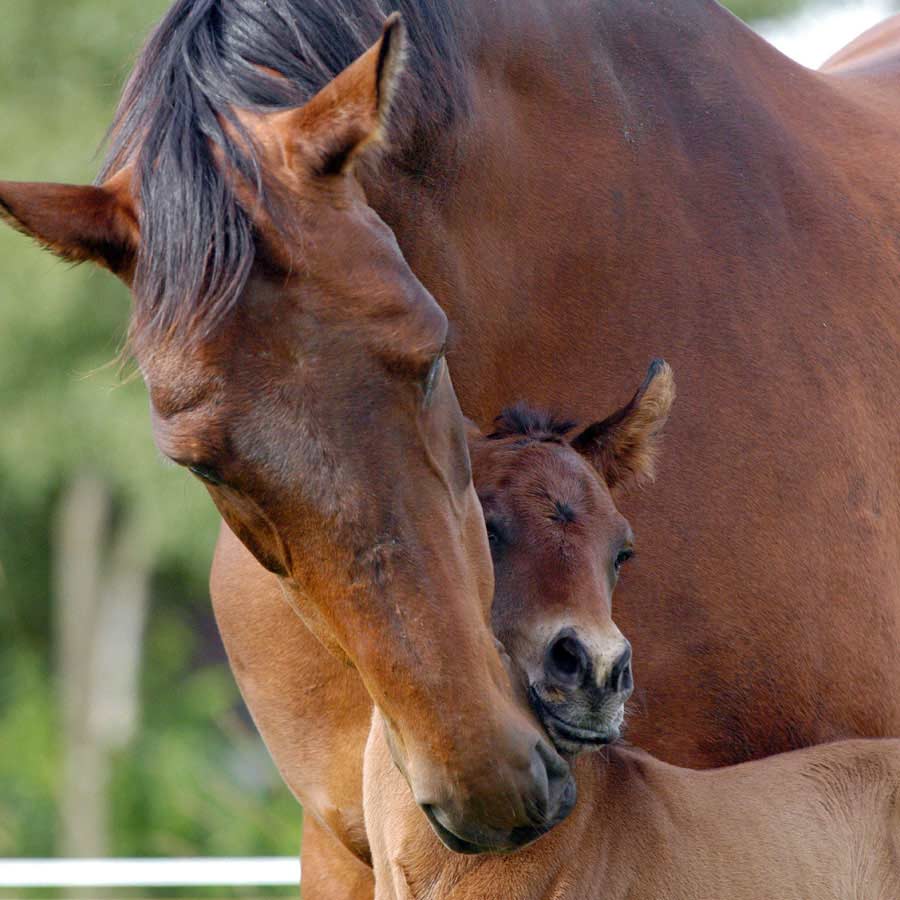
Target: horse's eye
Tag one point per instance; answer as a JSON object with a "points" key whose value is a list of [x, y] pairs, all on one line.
{"points": [[434, 374], [206, 473], [623, 556], [495, 535]]}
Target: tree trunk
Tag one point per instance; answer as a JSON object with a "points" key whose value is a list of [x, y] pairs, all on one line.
{"points": [[101, 587]]}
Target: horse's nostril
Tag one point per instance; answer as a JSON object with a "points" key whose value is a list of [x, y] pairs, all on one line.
{"points": [[620, 677], [567, 661]]}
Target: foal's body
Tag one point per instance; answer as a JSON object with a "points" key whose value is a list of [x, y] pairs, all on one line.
{"points": [[875, 54], [820, 823], [823, 822]]}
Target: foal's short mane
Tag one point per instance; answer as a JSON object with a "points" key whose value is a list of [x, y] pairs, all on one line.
{"points": [[197, 241], [536, 424]]}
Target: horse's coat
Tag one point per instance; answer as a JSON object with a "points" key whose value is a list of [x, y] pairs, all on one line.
{"points": [[618, 179], [729, 207]]}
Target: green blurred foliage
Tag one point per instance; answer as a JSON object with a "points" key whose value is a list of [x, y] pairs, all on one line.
{"points": [[196, 780], [761, 9]]}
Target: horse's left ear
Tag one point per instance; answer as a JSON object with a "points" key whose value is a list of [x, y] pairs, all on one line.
{"points": [[623, 447], [351, 113], [76, 222]]}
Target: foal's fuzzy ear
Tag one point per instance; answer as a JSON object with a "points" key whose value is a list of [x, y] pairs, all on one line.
{"points": [[76, 222], [623, 447], [351, 113]]}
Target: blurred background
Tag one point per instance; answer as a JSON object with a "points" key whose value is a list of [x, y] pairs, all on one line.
{"points": [[121, 729]]}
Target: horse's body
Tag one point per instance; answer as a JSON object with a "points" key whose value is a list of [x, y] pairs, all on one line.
{"points": [[619, 179], [313, 713], [822, 822], [664, 180], [732, 207]]}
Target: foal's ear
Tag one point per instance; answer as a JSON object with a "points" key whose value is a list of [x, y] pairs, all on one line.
{"points": [[351, 112], [76, 222], [623, 447]]}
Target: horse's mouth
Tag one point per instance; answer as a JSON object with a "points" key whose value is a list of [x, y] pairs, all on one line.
{"points": [[518, 838], [568, 737], [448, 838]]}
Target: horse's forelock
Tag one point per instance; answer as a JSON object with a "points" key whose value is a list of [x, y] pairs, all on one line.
{"points": [[527, 421], [205, 58]]}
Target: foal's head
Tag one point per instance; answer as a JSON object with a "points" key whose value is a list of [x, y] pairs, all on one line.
{"points": [[558, 545]]}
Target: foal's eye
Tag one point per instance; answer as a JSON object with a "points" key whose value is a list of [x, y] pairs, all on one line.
{"points": [[205, 473], [434, 373], [622, 557]]}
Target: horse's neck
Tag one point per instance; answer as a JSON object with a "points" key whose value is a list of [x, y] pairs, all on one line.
{"points": [[575, 174]]}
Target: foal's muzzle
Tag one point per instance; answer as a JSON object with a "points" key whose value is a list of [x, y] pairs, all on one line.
{"points": [[581, 697]]}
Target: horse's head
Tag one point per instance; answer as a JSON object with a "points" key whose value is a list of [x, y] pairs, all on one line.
{"points": [[296, 366], [558, 543]]}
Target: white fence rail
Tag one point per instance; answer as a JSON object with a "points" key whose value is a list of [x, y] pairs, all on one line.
{"points": [[259, 871], [820, 29]]}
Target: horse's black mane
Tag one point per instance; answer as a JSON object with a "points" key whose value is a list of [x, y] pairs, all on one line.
{"points": [[197, 242], [536, 424]]}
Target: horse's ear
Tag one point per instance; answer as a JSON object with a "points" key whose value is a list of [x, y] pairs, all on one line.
{"points": [[351, 113], [76, 222], [623, 447]]}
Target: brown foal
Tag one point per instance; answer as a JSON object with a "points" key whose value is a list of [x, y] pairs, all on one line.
{"points": [[820, 823]]}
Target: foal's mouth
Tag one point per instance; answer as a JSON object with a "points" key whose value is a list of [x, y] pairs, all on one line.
{"points": [[570, 737]]}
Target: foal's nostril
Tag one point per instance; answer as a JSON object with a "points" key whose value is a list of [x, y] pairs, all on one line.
{"points": [[567, 662], [620, 677], [566, 658]]}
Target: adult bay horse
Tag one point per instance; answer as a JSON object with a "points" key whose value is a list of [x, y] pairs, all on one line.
{"points": [[739, 142], [577, 187]]}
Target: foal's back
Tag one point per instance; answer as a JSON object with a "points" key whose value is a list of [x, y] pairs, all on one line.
{"points": [[873, 54], [820, 823]]}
